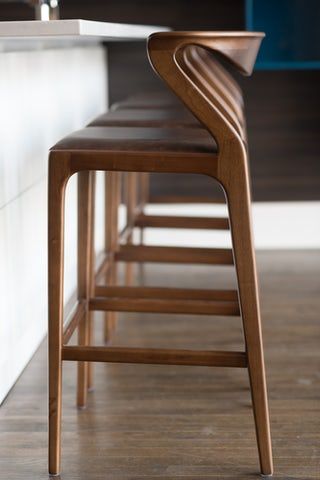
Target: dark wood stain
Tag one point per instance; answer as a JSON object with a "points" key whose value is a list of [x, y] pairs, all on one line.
{"points": [[166, 422]]}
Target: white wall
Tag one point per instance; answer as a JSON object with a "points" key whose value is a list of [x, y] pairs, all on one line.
{"points": [[277, 225], [44, 95]]}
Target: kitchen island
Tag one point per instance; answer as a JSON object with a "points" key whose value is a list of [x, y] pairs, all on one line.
{"points": [[53, 79]]}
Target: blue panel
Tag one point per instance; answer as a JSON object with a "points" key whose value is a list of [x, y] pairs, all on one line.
{"points": [[288, 65], [292, 32]]}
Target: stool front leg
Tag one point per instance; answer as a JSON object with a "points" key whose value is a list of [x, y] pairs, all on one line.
{"points": [[58, 176]]}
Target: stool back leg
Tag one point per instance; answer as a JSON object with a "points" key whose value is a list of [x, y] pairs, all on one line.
{"points": [[85, 275], [112, 201], [58, 176], [143, 187], [239, 204], [91, 277], [131, 205]]}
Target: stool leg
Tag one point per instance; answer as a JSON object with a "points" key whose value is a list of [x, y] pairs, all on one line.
{"points": [[144, 190], [131, 204], [85, 260], [108, 318], [143, 198], [114, 234], [239, 204], [58, 175], [90, 374], [112, 200]]}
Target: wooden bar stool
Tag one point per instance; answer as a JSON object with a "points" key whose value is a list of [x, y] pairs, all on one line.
{"points": [[218, 151]]}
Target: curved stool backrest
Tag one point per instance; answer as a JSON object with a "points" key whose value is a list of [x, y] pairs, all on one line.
{"points": [[213, 70], [214, 64], [208, 92], [211, 83]]}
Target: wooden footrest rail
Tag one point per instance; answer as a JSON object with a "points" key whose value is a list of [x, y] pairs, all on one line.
{"points": [[150, 305], [142, 253], [155, 299], [166, 292], [77, 316], [164, 221], [165, 300], [185, 199], [155, 356]]}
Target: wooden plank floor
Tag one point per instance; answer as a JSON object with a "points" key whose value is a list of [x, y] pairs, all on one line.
{"points": [[161, 422]]}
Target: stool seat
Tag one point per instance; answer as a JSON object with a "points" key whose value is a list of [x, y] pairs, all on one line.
{"points": [[150, 100], [158, 95], [142, 117], [119, 139]]}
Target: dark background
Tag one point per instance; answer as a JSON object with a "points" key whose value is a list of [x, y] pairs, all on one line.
{"points": [[283, 107]]}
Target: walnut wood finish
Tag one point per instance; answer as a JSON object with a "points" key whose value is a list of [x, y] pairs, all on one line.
{"points": [[218, 151], [151, 305], [112, 200], [185, 199], [172, 221], [144, 253], [160, 292], [132, 209], [85, 273], [57, 182], [77, 316], [155, 356]]}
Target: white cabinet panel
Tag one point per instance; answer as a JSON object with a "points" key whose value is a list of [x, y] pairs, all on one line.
{"points": [[44, 95], [23, 272], [23, 277]]}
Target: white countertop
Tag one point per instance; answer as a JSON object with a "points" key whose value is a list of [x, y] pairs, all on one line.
{"points": [[38, 34]]}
